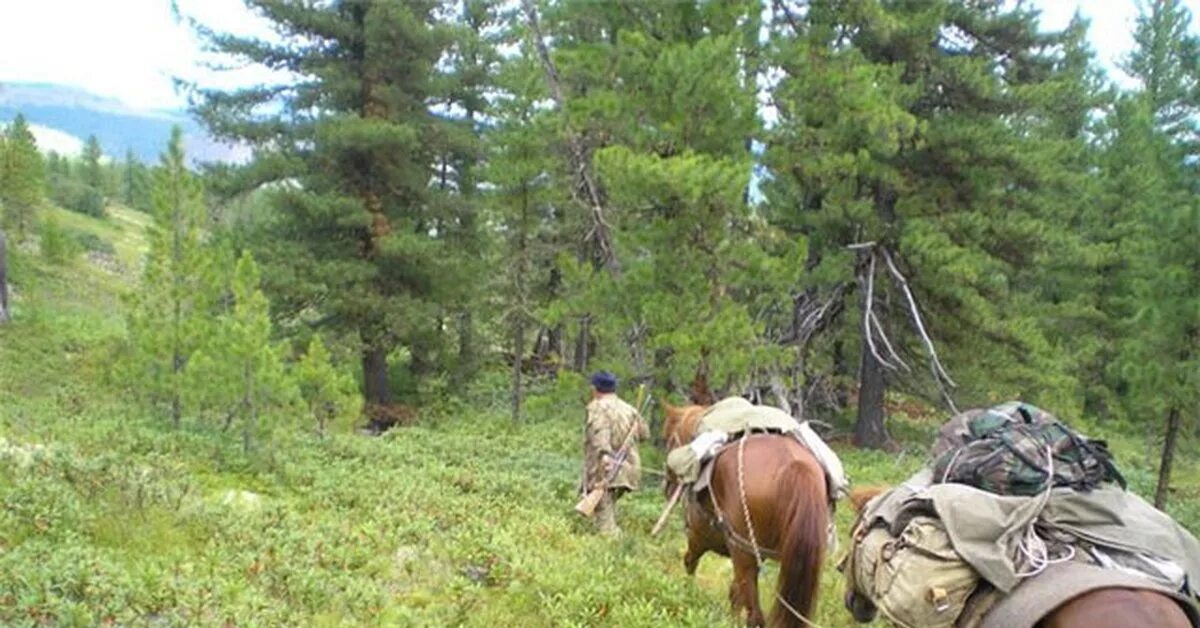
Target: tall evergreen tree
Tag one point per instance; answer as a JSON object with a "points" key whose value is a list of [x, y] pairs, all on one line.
{"points": [[134, 185], [1166, 60], [648, 196], [918, 150], [168, 314], [1159, 359], [353, 146], [1154, 208], [472, 60], [22, 177], [86, 189]]}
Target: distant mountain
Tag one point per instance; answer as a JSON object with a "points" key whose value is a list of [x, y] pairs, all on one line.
{"points": [[118, 127]]}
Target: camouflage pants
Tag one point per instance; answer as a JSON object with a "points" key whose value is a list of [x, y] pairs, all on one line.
{"points": [[606, 512]]}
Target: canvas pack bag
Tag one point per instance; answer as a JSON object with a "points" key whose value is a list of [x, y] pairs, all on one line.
{"points": [[1012, 449], [915, 578]]}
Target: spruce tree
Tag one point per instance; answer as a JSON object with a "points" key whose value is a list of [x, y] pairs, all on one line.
{"points": [[352, 149], [22, 178], [168, 314]]}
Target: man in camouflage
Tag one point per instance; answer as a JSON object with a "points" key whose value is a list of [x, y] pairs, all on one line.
{"points": [[610, 422]]}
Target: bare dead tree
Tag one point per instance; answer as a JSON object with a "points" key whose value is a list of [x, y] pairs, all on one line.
{"points": [[879, 353]]}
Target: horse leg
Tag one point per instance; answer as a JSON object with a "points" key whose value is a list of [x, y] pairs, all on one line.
{"points": [[744, 588]]}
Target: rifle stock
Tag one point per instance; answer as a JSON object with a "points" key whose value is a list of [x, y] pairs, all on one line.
{"points": [[587, 505]]}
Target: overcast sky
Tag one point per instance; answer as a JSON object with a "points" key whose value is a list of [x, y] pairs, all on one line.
{"points": [[130, 49]]}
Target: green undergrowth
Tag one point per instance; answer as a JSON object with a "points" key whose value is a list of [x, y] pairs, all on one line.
{"points": [[110, 516]]}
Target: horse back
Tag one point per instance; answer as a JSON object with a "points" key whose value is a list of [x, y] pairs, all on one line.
{"points": [[771, 470], [1118, 608]]}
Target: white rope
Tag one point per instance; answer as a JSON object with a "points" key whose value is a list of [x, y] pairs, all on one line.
{"points": [[1032, 546], [750, 528], [745, 506]]}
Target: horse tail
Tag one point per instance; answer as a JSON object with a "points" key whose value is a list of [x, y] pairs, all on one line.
{"points": [[803, 544]]}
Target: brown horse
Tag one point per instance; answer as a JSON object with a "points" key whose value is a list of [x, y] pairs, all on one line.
{"points": [[1101, 608], [766, 499]]}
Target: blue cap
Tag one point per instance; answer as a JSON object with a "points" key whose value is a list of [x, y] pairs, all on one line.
{"points": [[604, 381]]}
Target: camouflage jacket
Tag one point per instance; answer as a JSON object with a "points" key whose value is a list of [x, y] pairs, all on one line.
{"points": [[609, 421]]}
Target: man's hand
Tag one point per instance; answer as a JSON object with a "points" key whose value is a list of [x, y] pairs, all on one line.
{"points": [[606, 462]]}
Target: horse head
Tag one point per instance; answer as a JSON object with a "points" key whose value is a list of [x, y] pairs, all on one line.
{"points": [[680, 423]]}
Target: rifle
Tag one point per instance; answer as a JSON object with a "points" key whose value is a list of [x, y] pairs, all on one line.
{"points": [[587, 505]]}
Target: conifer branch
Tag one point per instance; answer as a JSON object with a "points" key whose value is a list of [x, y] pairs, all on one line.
{"points": [[586, 190]]}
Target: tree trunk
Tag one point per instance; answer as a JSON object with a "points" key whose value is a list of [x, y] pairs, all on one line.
{"points": [[376, 387], [465, 370], [582, 344], [841, 373], [1168, 457], [518, 354], [869, 430]]}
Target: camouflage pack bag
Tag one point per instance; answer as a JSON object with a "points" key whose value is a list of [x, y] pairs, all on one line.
{"points": [[1010, 449]]}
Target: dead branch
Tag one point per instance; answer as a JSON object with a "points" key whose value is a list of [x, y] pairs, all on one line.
{"points": [[939, 374], [887, 343], [868, 308]]}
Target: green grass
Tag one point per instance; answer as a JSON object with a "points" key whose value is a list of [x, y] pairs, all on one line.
{"points": [[110, 516], [123, 228]]}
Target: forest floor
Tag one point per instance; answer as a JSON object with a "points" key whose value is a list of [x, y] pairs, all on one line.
{"points": [[111, 516]]}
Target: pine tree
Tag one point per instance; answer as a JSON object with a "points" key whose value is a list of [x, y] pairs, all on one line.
{"points": [[168, 314], [357, 242], [331, 396], [237, 372], [22, 178], [919, 149], [666, 192]]}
